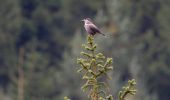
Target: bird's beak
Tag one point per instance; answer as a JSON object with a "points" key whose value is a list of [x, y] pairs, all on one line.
{"points": [[82, 20]]}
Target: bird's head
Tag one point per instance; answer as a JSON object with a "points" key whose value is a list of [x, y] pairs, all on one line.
{"points": [[87, 20]]}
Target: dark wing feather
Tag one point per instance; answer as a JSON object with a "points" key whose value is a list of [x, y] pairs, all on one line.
{"points": [[95, 29]]}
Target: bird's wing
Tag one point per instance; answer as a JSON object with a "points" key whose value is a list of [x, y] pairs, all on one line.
{"points": [[94, 28]]}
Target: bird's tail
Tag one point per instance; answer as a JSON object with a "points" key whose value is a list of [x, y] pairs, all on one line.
{"points": [[104, 35]]}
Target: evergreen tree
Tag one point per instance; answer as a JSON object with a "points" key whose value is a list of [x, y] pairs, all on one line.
{"points": [[143, 23]]}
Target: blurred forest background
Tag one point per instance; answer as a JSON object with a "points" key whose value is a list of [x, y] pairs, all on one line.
{"points": [[40, 41]]}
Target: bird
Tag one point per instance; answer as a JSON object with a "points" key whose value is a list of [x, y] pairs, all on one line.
{"points": [[91, 28]]}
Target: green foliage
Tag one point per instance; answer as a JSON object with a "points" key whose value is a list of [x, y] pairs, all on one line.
{"points": [[147, 36], [94, 66], [66, 98], [129, 89], [44, 28]]}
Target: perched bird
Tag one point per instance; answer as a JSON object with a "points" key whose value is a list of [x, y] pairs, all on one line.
{"points": [[90, 27]]}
